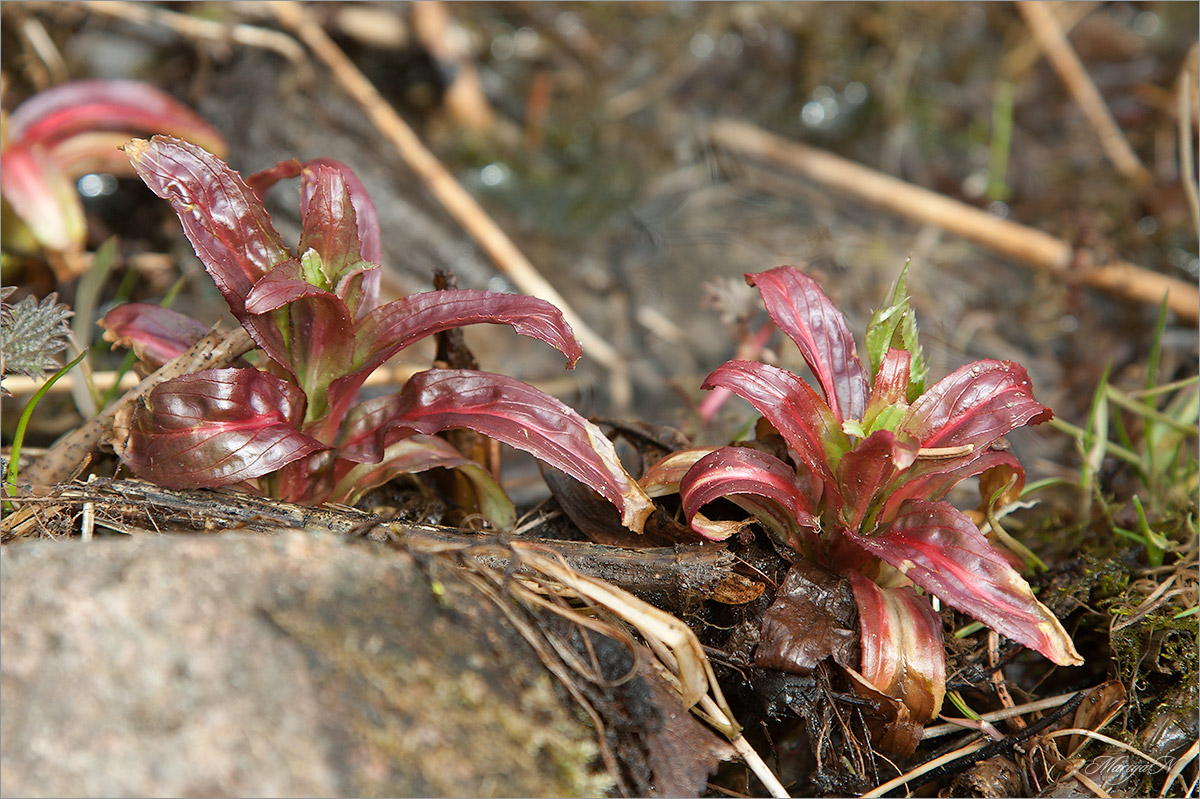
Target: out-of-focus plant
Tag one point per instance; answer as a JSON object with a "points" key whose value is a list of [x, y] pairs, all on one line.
{"points": [[854, 478], [291, 429], [63, 133]]}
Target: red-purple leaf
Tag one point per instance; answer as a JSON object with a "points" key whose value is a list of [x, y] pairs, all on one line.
{"points": [[792, 407], [760, 483], [809, 318], [891, 384], [285, 283], [155, 334], [942, 551], [318, 341], [325, 188], [343, 226], [44, 198], [214, 428], [523, 417], [114, 105], [976, 404], [418, 453], [866, 469], [389, 329], [226, 223], [902, 650]]}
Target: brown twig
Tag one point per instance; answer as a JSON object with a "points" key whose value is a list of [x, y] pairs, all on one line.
{"points": [[213, 351], [208, 30], [454, 198], [1028, 245], [1053, 41], [464, 97]]}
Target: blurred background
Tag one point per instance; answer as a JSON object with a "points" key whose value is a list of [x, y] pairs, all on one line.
{"points": [[583, 131]]}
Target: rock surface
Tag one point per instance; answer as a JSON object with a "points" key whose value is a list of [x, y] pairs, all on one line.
{"points": [[297, 664]]}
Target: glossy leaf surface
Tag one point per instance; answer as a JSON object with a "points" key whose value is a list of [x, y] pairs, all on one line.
{"points": [[809, 318], [224, 220], [902, 650], [523, 417], [941, 550], [976, 404], [792, 407], [340, 220], [155, 334], [392, 327], [215, 428], [735, 473]]}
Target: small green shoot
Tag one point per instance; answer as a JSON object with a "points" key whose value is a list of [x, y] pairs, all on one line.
{"points": [[1153, 431], [14, 457], [1001, 143]]}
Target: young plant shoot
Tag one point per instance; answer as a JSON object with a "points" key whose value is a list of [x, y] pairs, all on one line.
{"points": [[860, 488], [292, 429]]}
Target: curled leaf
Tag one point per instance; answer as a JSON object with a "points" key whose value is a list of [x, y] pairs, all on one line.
{"points": [[942, 551], [214, 428], [792, 407], [809, 318], [155, 334], [902, 650], [760, 483], [519, 415], [43, 196], [114, 105], [664, 476]]}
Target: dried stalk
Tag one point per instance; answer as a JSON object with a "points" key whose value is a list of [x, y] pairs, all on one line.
{"points": [[194, 27], [1028, 245], [454, 198], [1053, 41]]}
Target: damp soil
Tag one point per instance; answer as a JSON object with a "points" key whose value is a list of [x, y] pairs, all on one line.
{"points": [[598, 166]]}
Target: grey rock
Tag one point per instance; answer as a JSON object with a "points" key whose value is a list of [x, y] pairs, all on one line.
{"points": [[298, 664]]}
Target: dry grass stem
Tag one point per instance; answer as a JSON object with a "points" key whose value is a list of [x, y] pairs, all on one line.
{"points": [[1187, 161], [1099, 736], [1178, 768], [194, 27], [939, 730], [1053, 40], [925, 768], [453, 197], [1025, 244]]}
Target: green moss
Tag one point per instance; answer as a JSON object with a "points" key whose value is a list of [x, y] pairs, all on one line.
{"points": [[442, 701]]}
